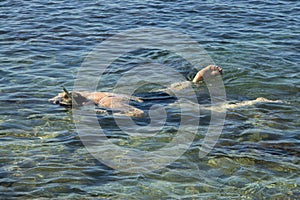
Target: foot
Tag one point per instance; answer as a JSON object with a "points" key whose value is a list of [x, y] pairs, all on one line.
{"points": [[207, 72]]}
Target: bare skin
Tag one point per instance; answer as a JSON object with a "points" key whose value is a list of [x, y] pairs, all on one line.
{"points": [[207, 72], [204, 74], [104, 100], [120, 102]]}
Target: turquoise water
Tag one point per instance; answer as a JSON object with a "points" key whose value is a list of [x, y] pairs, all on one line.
{"points": [[43, 44]]}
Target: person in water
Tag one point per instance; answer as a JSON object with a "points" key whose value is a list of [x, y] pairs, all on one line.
{"points": [[120, 102]]}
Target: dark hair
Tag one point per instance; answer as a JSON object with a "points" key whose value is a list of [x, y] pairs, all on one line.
{"points": [[80, 100]]}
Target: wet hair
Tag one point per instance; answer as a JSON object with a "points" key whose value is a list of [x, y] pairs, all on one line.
{"points": [[77, 97]]}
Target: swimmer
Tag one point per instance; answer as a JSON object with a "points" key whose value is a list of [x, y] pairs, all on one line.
{"points": [[118, 102]]}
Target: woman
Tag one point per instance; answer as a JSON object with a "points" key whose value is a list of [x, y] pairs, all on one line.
{"points": [[119, 103]]}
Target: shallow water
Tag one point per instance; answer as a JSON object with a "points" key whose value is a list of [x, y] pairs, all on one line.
{"points": [[43, 44]]}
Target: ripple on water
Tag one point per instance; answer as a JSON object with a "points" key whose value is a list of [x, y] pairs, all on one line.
{"points": [[43, 45]]}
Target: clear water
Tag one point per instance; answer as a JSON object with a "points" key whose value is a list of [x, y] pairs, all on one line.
{"points": [[42, 45]]}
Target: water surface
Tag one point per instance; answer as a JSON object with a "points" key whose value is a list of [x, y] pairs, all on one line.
{"points": [[43, 44]]}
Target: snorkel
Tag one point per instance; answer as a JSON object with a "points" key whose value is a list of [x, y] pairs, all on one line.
{"points": [[70, 96]]}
